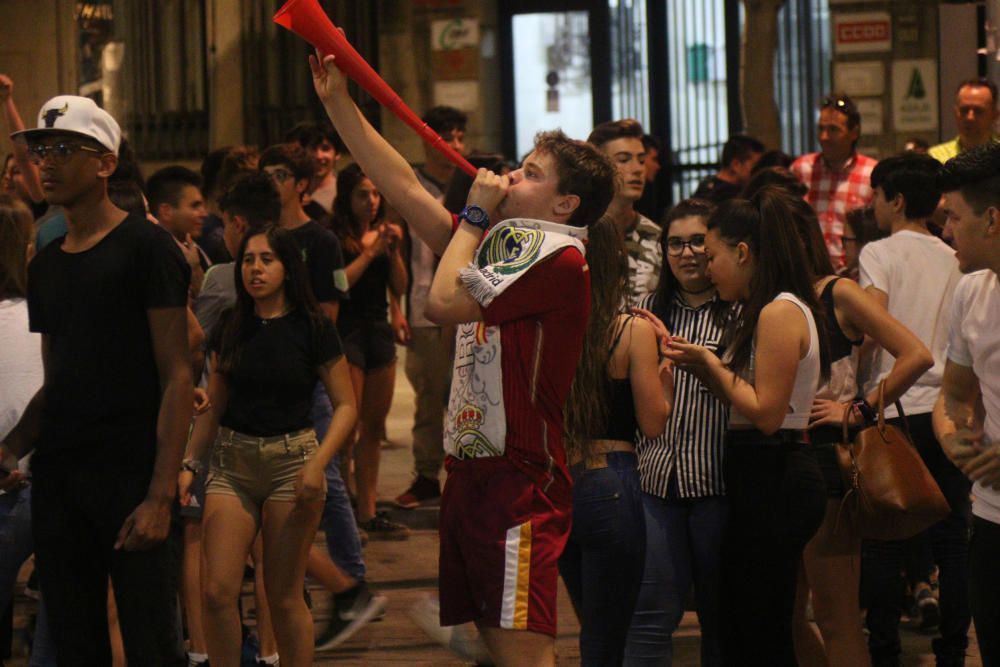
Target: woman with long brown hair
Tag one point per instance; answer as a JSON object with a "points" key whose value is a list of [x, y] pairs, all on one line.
{"points": [[830, 566], [373, 263], [772, 366], [622, 385]]}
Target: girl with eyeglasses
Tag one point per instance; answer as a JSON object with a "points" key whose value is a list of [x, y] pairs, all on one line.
{"points": [[769, 372], [681, 468]]}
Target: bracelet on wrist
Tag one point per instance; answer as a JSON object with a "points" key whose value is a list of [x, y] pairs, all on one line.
{"points": [[192, 466]]}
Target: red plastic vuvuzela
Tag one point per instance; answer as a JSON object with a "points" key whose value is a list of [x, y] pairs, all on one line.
{"points": [[308, 20]]}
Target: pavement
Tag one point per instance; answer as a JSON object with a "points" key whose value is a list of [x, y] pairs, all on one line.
{"points": [[405, 572]]}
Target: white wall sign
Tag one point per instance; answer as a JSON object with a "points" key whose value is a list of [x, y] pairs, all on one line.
{"points": [[872, 116], [454, 34], [463, 95], [864, 32], [914, 95], [859, 79]]}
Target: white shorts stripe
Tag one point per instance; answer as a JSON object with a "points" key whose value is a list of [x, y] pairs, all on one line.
{"points": [[510, 578]]}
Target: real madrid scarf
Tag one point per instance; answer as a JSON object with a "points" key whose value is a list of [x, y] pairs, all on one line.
{"points": [[510, 250]]}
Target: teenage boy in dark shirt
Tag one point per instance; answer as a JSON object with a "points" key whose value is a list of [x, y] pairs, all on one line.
{"points": [[111, 419]]}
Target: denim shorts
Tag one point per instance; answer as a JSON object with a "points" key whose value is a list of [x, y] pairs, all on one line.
{"points": [[257, 469]]}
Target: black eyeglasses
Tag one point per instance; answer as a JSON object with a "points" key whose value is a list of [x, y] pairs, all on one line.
{"points": [[57, 153], [676, 245]]}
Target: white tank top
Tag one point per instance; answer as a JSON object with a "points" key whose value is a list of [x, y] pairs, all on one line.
{"points": [[806, 377]]}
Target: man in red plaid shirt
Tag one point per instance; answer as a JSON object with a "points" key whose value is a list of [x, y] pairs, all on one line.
{"points": [[838, 177]]}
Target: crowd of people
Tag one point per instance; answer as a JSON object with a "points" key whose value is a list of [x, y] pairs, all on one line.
{"points": [[197, 369]]}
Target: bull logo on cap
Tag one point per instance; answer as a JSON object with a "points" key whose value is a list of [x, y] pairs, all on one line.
{"points": [[52, 115]]}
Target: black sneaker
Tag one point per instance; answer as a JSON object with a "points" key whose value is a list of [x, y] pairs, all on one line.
{"points": [[351, 611], [423, 491], [381, 527]]}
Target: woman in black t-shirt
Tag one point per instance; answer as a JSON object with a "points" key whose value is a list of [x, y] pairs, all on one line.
{"points": [[373, 262], [267, 466]]}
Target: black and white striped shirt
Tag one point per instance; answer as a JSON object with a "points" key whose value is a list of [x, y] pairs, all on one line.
{"points": [[691, 445]]}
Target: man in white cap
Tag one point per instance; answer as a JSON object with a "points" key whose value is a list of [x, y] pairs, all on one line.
{"points": [[109, 424]]}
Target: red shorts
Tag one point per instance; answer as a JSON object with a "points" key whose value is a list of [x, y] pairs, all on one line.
{"points": [[501, 538]]}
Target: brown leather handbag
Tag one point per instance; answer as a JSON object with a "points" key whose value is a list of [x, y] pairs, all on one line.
{"points": [[890, 493]]}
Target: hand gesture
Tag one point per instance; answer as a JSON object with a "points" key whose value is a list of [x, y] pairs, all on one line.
{"points": [[6, 87], [962, 446], [683, 353], [831, 412], [184, 481], [328, 80], [310, 486], [190, 251], [394, 235], [145, 527], [14, 481], [984, 466], [201, 401], [400, 327], [488, 190], [374, 242], [662, 335]]}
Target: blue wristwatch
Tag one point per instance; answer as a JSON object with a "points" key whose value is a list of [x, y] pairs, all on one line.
{"points": [[475, 216]]}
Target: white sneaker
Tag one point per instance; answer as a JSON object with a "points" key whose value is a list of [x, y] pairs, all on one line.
{"points": [[463, 640]]}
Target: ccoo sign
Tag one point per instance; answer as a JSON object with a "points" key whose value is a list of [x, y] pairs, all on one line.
{"points": [[862, 33]]}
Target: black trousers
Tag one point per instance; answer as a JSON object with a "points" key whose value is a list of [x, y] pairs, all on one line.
{"points": [[777, 500], [77, 513], [882, 562], [984, 588]]}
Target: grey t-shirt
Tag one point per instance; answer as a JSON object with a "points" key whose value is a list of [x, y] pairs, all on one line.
{"points": [[218, 292]]}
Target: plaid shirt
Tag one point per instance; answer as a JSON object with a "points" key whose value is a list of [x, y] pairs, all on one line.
{"points": [[835, 192]]}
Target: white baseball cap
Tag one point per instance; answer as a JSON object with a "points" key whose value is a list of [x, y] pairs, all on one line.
{"points": [[70, 114]]}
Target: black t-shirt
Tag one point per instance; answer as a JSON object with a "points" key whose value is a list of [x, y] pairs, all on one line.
{"points": [[102, 389], [368, 300], [716, 190], [324, 261], [270, 390]]}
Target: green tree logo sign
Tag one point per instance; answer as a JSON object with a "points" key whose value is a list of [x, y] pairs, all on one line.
{"points": [[916, 90]]}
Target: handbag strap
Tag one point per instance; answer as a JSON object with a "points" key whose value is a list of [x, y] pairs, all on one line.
{"points": [[881, 413]]}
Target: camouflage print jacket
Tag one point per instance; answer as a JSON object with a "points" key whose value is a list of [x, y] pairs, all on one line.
{"points": [[644, 258]]}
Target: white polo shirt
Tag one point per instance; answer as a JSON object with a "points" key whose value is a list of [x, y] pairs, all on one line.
{"points": [[974, 342]]}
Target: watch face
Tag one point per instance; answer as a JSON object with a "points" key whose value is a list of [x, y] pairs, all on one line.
{"points": [[474, 214]]}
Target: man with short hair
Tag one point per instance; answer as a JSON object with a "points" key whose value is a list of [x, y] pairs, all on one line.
{"points": [[621, 141], [913, 275], [967, 413], [175, 200], [506, 504], [323, 144], [648, 204], [838, 176], [975, 114], [740, 155], [427, 358], [111, 419]]}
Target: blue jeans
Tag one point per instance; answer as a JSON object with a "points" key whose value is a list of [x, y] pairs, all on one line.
{"points": [[603, 560], [338, 524], [949, 540], [683, 545], [16, 545]]}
